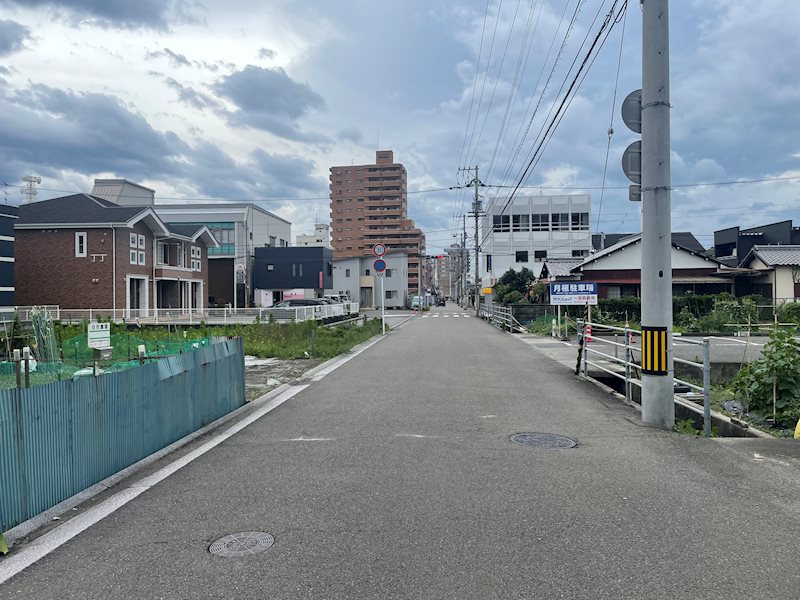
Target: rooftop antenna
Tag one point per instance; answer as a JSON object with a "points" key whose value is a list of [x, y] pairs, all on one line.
{"points": [[29, 191]]}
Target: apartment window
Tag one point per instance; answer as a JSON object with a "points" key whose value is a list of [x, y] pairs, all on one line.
{"points": [[540, 222], [141, 242], [501, 223], [580, 221], [539, 254], [270, 267], [367, 272], [192, 252], [199, 252], [134, 257], [141, 258], [133, 240], [579, 253], [347, 272], [388, 272], [80, 244], [161, 253], [560, 221], [272, 241], [521, 222], [488, 262], [390, 294], [521, 256]]}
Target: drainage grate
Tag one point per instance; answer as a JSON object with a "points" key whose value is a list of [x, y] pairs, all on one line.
{"points": [[544, 440], [244, 543]]}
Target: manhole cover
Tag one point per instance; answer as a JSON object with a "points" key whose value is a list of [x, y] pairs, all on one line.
{"points": [[543, 440], [243, 543]]}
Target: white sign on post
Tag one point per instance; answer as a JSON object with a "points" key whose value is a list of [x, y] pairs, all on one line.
{"points": [[567, 293], [99, 335]]}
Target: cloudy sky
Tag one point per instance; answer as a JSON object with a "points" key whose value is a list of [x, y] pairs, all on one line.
{"points": [[256, 99]]}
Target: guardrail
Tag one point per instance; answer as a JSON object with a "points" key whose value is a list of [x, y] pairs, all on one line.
{"points": [[632, 375], [498, 316], [216, 316]]}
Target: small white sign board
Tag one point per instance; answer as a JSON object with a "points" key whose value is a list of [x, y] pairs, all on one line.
{"points": [[99, 335]]}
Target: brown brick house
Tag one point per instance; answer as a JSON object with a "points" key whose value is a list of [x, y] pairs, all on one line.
{"points": [[82, 251]]}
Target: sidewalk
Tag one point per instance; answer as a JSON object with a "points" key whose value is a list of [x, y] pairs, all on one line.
{"points": [[394, 477]]}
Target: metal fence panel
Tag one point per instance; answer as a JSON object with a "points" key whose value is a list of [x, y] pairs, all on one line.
{"points": [[60, 438]]}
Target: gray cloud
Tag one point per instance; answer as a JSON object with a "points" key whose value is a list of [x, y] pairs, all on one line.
{"points": [[116, 13], [352, 134], [175, 59], [268, 99], [12, 37], [192, 97], [266, 53]]}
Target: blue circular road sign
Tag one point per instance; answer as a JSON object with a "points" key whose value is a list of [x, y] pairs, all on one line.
{"points": [[380, 265]]}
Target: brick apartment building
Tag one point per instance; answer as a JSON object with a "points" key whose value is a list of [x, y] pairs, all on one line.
{"points": [[369, 205], [82, 251]]}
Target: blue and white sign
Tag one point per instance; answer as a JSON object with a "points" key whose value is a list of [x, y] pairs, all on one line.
{"points": [[379, 265], [573, 292]]}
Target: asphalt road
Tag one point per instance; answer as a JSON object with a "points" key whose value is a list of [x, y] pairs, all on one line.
{"points": [[394, 477]]}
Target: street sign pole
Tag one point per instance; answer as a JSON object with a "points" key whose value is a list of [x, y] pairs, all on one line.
{"points": [[383, 308], [658, 405]]}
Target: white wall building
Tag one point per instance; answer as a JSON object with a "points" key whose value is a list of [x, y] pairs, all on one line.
{"points": [[531, 230], [320, 238], [356, 278]]}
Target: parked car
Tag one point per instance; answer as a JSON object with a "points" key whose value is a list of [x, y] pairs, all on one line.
{"points": [[295, 302]]}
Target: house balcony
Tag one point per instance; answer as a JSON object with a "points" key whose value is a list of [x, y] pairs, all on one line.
{"points": [[175, 272]]}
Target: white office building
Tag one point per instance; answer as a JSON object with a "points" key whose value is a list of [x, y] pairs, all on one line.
{"points": [[321, 238], [356, 278], [531, 230]]}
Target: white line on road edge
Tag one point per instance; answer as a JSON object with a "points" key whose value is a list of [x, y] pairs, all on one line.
{"points": [[52, 540]]}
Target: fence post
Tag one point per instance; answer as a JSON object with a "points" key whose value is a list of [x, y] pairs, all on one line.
{"points": [[627, 365], [706, 387]]}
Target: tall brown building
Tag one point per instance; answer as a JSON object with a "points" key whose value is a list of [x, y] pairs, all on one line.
{"points": [[369, 204]]}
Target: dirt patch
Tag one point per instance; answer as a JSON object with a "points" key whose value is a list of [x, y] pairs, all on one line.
{"points": [[265, 374]]}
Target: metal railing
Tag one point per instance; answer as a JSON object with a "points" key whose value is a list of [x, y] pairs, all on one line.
{"points": [[632, 369], [191, 316], [498, 316]]}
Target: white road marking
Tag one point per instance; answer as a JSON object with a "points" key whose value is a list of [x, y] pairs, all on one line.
{"points": [[308, 439], [466, 316], [414, 435], [445, 316], [758, 458], [52, 540], [488, 416], [426, 316], [456, 315]]}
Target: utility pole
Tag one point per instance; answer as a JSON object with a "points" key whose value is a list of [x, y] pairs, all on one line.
{"points": [[658, 407], [463, 259], [477, 212]]}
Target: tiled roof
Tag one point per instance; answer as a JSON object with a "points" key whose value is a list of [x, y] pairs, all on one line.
{"points": [[77, 209], [561, 267], [773, 256]]}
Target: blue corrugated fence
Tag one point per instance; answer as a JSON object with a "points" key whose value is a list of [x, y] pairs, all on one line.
{"points": [[60, 438]]}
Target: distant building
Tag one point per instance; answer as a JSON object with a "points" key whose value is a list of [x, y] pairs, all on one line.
{"points": [[239, 227], [82, 251], [369, 205], [320, 238], [293, 272], [8, 217], [600, 241], [356, 278], [732, 245], [774, 273], [531, 230], [618, 270]]}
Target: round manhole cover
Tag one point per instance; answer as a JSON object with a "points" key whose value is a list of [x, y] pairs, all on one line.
{"points": [[243, 543], [543, 440]]}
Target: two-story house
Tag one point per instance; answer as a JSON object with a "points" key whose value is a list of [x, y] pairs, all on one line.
{"points": [[82, 251]]}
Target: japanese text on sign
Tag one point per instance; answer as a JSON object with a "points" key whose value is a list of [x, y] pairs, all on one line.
{"points": [[573, 293]]}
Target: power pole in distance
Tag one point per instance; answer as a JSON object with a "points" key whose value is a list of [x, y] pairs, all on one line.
{"points": [[477, 212]]}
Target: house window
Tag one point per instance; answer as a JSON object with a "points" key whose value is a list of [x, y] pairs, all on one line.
{"points": [[134, 257], [141, 258], [80, 244], [580, 221], [388, 272], [560, 221], [272, 241], [391, 294], [614, 291], [501, 223], [367, 272], [141, 242], [488, 262], [192, 252], [540, 222], [133, 240], [520, 222], [522, 256], [539, 254], [270, 267], [579, 253], [347, 272], [161, 253]]}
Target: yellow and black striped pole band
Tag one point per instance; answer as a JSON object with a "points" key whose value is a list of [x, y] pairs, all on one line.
{"points": [[654, 350]]}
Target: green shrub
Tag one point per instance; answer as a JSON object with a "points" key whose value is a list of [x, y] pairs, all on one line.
{"points": [[789, 312], [512, 297]]}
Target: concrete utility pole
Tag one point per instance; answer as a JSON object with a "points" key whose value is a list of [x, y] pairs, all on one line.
{"points": [[476, 212], [464, 260], [658, 407]]}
